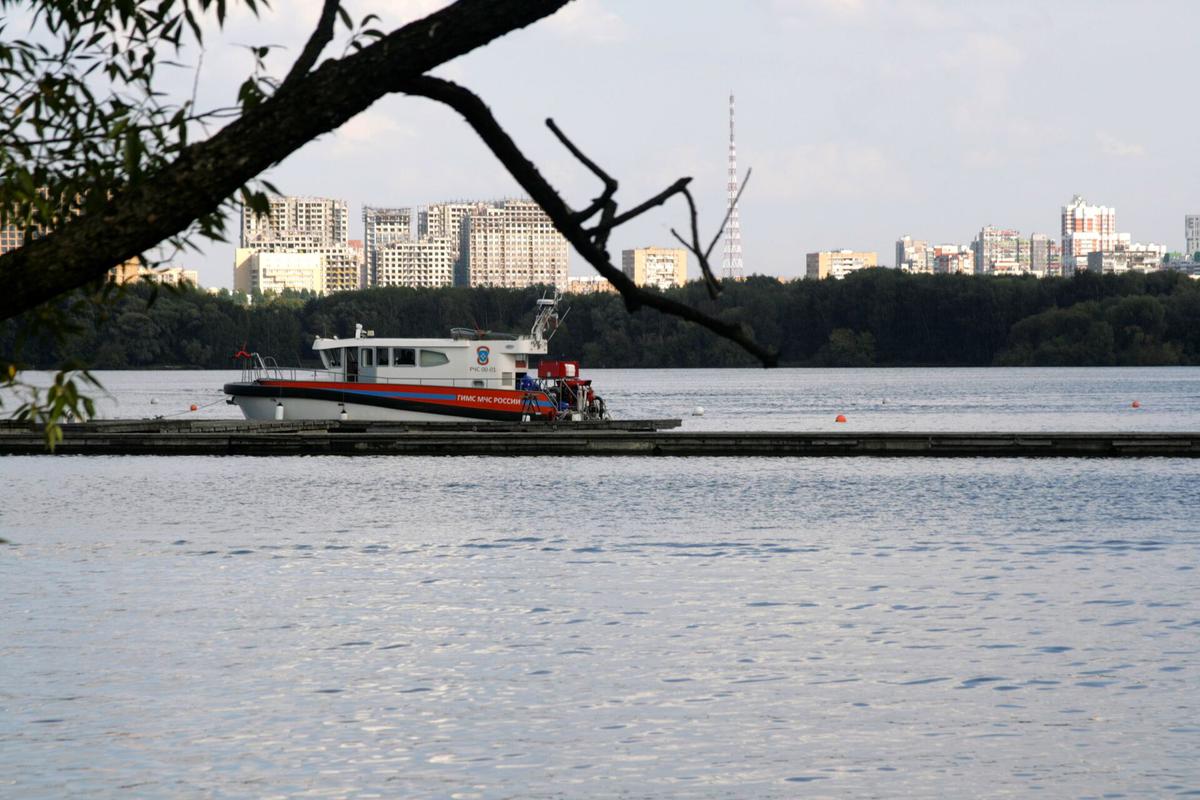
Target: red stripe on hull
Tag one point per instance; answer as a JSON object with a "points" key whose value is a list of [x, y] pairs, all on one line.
{"points": [[502, 400]]}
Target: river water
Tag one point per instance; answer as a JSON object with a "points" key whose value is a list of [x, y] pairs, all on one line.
{"points": [[709, 628]]}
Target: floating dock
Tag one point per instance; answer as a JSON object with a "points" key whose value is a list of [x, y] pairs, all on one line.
{"points": [[607, 438]]}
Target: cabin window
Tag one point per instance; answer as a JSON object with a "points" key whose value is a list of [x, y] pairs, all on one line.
{"points": [[478, 384], [381, 356], [335, 357], [367, 359], [433, 358], [404, 357]]}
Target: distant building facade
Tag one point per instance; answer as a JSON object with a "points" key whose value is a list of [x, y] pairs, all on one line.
{"points": [[325, 218], [953, 259], [13, 237], [382, 227], [1086, 229], [302, 226], [998, 251], [914, 256], [133, 270], [510, 243], [1186, 266], [1191, 230], [427, 263], [590, 285], [1039, 254], [360, 257], [837, 264], [445, 221], [660, 267], [1134, 258], [277, 272]]}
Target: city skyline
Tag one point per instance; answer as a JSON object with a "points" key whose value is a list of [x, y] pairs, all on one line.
{"points": [[942, 119], [422, 245]]}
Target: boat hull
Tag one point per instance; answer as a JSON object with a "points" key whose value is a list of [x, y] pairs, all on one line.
{"points": [[327, 400]]}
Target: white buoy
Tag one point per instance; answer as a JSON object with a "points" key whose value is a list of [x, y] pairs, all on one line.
{"points": [[343, 416], [278, 410], [698, 411]]}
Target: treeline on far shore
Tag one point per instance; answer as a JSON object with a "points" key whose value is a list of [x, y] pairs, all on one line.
{"points": [[876, 317]]}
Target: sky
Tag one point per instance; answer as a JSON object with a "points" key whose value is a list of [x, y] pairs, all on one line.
{"points": [[863, 120]]}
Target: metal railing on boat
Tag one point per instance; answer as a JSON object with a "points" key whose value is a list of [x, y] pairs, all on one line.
{"points": [[259, 367]]}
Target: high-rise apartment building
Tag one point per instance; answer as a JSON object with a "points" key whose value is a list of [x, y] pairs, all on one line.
{"points": [[424, 263], [1039, 253], [511, 243], [1045, 256], [1086, 229], [660, 267], [444, 220], [998, 251], [837, 264], [1191, 230], [325, 218], [914, 255], [381, 227], [301, 225]]}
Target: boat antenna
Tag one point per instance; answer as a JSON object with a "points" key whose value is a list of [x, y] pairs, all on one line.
{"points": [[547, 316], [561, 320]]}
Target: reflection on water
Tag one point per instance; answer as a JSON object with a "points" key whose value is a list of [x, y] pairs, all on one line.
{"points": [[598, 627]]}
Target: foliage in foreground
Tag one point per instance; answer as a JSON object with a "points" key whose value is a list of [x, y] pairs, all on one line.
{"points": [[874, 318]]}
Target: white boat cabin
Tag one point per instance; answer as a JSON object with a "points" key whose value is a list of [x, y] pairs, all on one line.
{"points": [[469, 358]]}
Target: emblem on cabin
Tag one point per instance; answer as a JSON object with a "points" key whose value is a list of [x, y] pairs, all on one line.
{"points": [[481, 355]]}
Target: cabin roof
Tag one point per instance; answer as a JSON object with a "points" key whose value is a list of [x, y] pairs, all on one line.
{"points": [[513, 345]]}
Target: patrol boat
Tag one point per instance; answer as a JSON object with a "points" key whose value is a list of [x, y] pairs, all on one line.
{"points": [[472, 375]]}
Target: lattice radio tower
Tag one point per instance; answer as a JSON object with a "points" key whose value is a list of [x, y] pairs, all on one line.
{"points": [[731, 264]]}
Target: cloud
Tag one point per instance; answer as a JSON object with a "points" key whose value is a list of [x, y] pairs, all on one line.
{"points": [[933, 15], [829, 169], [588, 21], [841, 10], [371, 131], [1117, 148], [845, 9]]}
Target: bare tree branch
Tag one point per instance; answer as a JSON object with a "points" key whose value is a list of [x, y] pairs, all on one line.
{"points": [[610, 185], [321, 36], [703, 255], [610, 219], [589, 244], [710, 280]]}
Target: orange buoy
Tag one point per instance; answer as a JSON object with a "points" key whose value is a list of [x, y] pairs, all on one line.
{"points": [[194, 407], [840, 418], [1135, 404]]}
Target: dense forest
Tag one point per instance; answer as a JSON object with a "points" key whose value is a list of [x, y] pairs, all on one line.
{"points": [[877, 317]]}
